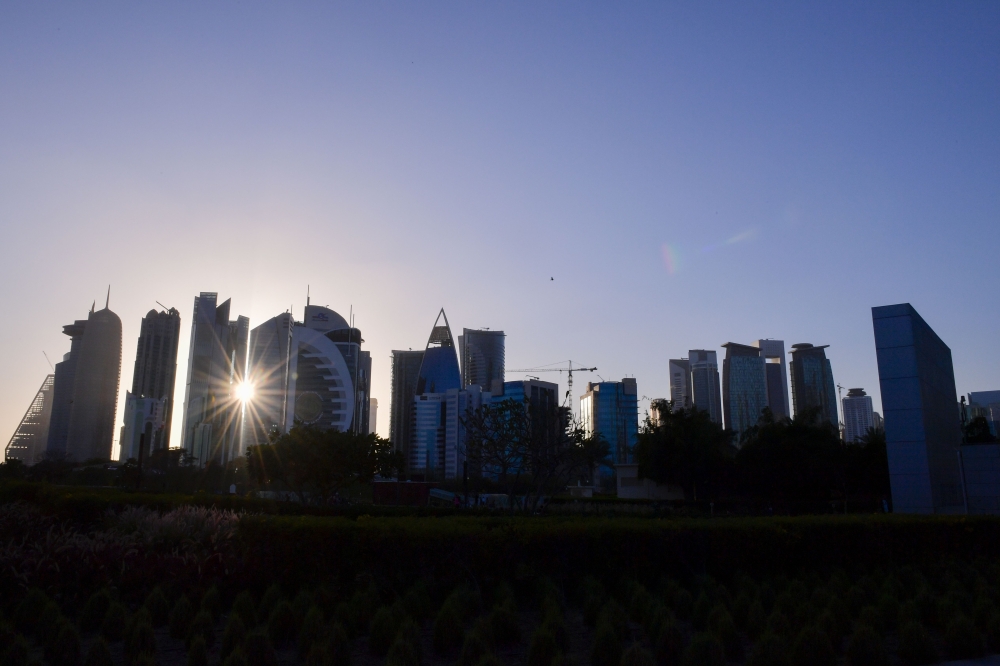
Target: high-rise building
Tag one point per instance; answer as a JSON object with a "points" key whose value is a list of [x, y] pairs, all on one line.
{"points": [[213, 411], [705, 393], [987, 405], [372, 415], [744, 386], [32, 435], [922, 422], [312, 372], [812, 382], [439, 373], [85, 391], [156, 370], [482, 354], [773, 352], [145, 422], [680, 383], [858, 415], [405, 370], [611, 409]]}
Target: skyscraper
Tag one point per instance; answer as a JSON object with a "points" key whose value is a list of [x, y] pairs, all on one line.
{"points": [[85, 391], [680, 383], [482, 354], [920, 406], [812, 382], [156, 369], [705, 383], [145, 421], [405, 370], [372, 415], [216, 368], [439, 373], [32, 435], [773, 352], [858, 415], [611, 409], [270, 347], [744, 386]]}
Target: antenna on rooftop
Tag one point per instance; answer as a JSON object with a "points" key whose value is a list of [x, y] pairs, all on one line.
{"points": [[307, 295], [48, 361]]}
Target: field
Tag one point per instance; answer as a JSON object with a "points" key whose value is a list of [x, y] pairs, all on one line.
{"points": [[99, 577]]}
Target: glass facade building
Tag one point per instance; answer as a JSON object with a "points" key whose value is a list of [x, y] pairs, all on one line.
{"points": [[705, 394], [858, 415], [987, 405], [439, 374], [482, 354], [812, 382], [270, 348], [773, 352], [28, 442], [920, 410], [680, 383], [611, 409], [156, 368], [405, 370], [744, 386]]}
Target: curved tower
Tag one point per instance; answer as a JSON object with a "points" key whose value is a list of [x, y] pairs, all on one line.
{"points": [[427, 457], [439, 367]]}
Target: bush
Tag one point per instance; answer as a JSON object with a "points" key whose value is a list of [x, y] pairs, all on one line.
{"points": [[449, 631], [49, 624], [27, 612], [99, 654], [888, 611], [418, 601], [232, 636], [669, 645], [641, 605], [140, 641], [16, 652], [770, 650], [756, 621], [813, 648], [607, 650], [335, 651], [402, 653], [93, 612], [244, 607], [866, 649], [282, 625], [361, 609], [741, 609], [683, 604], [869, 617], [212, 602], [272, 597], [474, 647], [113, 626], [724, 628], [313, 628], [181, 617], [915, 646], [384, 627], [66, 649], [543, 650], [301, 604], [993, 633], [705, 650], [637, 656], [614, 616], [963, 639], [235, 658], [158, 606], [699, 614], [203, 625], [197, 652], [592, 595], [505, 625], [258, 649]]}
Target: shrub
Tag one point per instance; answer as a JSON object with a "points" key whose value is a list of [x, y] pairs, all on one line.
{"points": [[313, 627], [490, 660], [361, 609], [113, 626], [705, 650], [258, 649], [203, 625], [272, 597], [640, 605], [197, 652], [49, 624], [777, 624], [741, 609], [724, 628], [505, 625], [99, 654], [27, 612], [335, 651], [888, 612], [699, 614], [555, 624], [232, 636], [66, 648], [244, 607], [983, 612], [282, 625], [158, 606], [181, 617], [448, 632], [614, 616], [963, 639], [402, 653], [770, 650], [683, 603], [418, 601], [384, 627], [16, 652], [542, 650], [301, 604], [212, 602], [592, 595], [637, 656], [855, 599], [869, 617], [140, 641], [915, 646], [813, 648], [993, 633], [93, 612], [866, 649], [669, 645], [475, 645], [235, 658], [607, 650]]}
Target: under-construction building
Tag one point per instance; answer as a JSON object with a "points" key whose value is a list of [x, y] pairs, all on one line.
{"points": [[32, 434]]}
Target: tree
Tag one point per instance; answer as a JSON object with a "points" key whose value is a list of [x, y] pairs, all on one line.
{"points": [[316, 462], [685, 447], [977, 431]]}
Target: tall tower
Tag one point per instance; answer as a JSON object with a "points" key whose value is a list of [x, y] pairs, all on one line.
{"points": [[32, 434], [858, 415], [611, 409], [405, 370], [156, 368], [270, 347], [438, 374], [744, 386], [85, 392], [482, 355], [773, 352], [705, 383], [680, 383], [216, 368], [812, 382]]}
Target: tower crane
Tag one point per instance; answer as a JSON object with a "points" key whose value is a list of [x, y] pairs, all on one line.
{"points": [[569, 377]]}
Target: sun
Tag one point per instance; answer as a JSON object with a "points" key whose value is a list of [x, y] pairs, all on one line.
{"points": [[244, 392]]}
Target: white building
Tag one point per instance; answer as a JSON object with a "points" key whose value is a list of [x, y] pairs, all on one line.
{"points": [[144, 419], [858, 415]]}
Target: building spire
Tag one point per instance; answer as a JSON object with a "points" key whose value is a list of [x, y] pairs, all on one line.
{"points": [[307, 295], [107, 301], [92, 306]]}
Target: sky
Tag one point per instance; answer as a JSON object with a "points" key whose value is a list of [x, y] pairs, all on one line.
{"points": [[609, 183]]}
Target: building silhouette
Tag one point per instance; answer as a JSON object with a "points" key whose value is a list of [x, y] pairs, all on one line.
{"points": [[439, 374], [31, 437], [85, 389], [776, 374], [987, 405], [705, 393], [812, 382], [405, 370], [920, 407], [216, 368], [155, 374], [372, 415], [482, 359], [145, 422], [267, 370], [744, 386], [859, 416], [680, 383]]}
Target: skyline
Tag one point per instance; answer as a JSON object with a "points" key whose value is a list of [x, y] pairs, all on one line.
{"points": [[687, 177]]}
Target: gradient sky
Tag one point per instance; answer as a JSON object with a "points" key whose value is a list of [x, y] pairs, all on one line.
{"points": [[690, 174]]}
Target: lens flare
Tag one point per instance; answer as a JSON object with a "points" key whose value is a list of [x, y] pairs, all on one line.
{"points": [[671, 259], [245, 392]]}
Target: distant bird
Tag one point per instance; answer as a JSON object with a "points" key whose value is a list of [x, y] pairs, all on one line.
{"points": [[552, 279]]}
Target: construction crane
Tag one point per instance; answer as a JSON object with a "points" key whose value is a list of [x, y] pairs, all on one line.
{"points": [[569, 377]]}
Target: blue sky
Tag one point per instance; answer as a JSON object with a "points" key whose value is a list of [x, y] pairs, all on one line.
{"points": [[690, 174]]}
